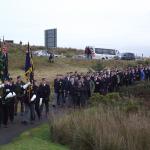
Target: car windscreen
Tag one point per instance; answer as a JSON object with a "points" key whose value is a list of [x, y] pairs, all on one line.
{"points": [[105, 51]]}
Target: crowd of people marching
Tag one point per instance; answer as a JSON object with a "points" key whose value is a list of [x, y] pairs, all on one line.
{"points": [[72, 90], [31, 97]]}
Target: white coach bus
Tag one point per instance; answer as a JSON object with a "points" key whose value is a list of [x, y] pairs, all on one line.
{"points": [[102, 53]]}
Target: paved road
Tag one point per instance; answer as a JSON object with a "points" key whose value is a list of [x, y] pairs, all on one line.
{"points": [[14, 130]]}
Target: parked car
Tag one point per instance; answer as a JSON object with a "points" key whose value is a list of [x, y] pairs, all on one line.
{"points": [[127, 56], [41, 53], [45, 53]]}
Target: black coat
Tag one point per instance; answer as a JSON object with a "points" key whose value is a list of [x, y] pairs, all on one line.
{"points": [[6, 90], [97, 86], [35, 91], [146, 71], [19, 89], [126, 79], [137, 74], [44, 91], [67, 85], [59, 86]]}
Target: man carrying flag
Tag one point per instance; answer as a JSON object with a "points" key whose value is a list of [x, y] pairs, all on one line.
{"points": [[29, 113]]}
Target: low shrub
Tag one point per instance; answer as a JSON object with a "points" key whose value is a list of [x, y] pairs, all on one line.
{"points": [[127, 105], [114, 96], [109, 99], [98, 66], [97, 99], [140, 89]]}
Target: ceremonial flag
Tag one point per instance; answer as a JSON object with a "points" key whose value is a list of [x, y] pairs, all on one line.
{"points": [[1, 62], [29, 69], [4, 51]]}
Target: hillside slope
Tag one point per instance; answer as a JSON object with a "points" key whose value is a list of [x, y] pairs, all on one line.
{"points": [[42, 66]]}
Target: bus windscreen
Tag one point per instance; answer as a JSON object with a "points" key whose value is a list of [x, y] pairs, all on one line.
{"points": [[105, 51]]}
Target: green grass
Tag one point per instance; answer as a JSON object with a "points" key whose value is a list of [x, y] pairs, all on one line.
{"points": [[34, 139], [42, 67]]}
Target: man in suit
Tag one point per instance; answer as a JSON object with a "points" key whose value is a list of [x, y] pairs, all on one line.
{"points": [[44, 93], [8, 101], [59, 89], [20, 95]]}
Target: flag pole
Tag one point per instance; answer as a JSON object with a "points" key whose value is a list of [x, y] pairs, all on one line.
{"points": [[30, 87], [1, 69], [32, 66]]}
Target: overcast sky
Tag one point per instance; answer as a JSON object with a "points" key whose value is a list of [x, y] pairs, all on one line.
{"points": [[119, 24]]}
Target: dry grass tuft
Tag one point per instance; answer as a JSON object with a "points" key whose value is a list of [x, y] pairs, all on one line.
{"points": [[100, 129]]}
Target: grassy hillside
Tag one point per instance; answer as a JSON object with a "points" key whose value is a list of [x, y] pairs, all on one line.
{"points": [[45, 69], [42, 67], [35, 139]]}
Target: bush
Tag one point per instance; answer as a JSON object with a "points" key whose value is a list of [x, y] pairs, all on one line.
{"points": [[97, 99], [140, 89], [98, 129], [113, 100], [98, 66], [109, 99], [113, 96]]}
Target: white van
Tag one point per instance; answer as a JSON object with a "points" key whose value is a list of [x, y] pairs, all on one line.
{"points": [[102, 53]]}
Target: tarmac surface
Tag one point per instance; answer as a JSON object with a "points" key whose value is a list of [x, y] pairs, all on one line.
{"points": [[14, 130], [7, 135]]}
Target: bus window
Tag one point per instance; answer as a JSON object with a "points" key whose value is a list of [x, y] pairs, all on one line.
{"points": [[98, 51], [105, 51]]}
